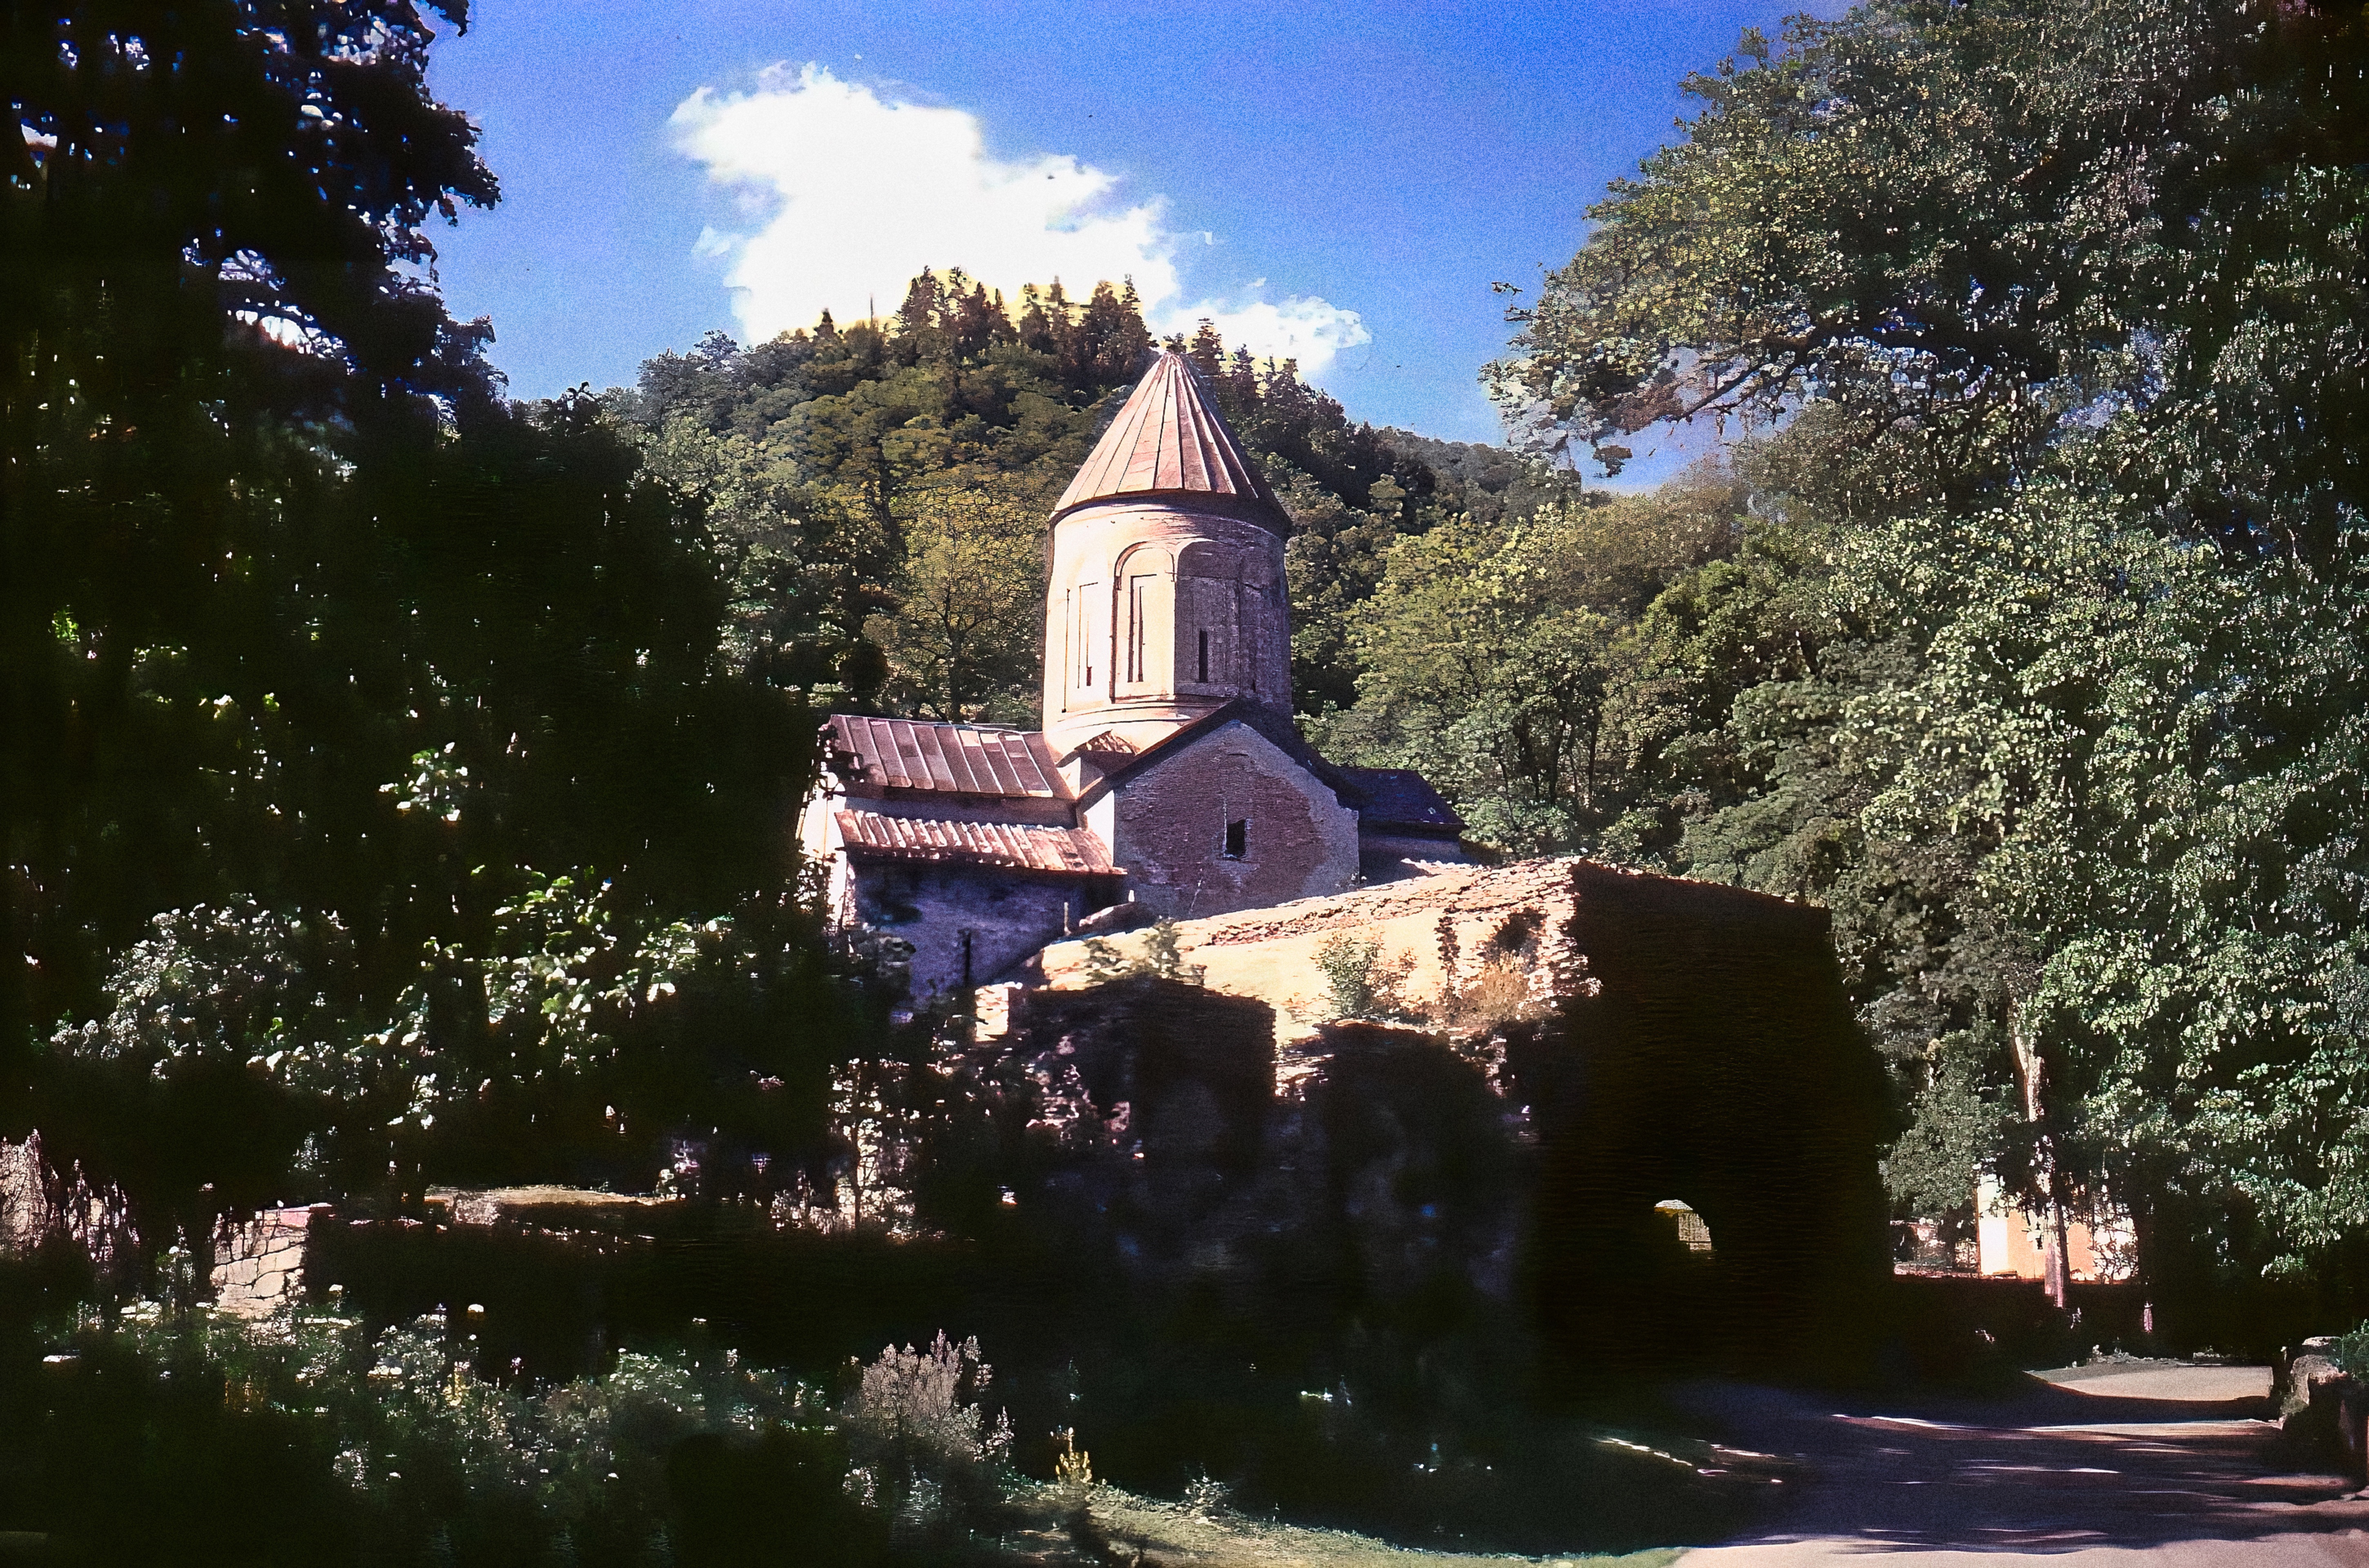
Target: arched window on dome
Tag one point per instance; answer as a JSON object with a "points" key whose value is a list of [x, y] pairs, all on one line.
{"points": [[1084, 633], [1208, 619], [1146, 622]]}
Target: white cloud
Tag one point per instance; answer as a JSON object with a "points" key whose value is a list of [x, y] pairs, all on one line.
{"points": [[1299, 327], [849, 194]]}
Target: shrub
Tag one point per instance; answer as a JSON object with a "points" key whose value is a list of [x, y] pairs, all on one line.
{"points": [[1348, 965], [391, 1447], [924, 1452], [1361, 984], [2350, 1352], [244, 1061]]}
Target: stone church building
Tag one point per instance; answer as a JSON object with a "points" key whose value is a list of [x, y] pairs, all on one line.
{"points": [[1169, 774]]}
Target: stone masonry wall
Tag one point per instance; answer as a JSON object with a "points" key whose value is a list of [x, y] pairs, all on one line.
{"points": [[260, 1267], [1436, 934], [1169, 829], [931, 906]]}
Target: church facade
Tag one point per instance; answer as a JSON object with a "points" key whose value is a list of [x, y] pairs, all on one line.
{"points": [[1167, 776]]}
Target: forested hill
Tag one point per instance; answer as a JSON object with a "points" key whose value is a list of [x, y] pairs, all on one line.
{"points": [[878, 490]]}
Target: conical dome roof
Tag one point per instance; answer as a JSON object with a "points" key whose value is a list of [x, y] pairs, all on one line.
{"points": [[1170, 440]]}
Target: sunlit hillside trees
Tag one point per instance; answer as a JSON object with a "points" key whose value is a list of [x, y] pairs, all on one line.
{"points": [[828, 465]]}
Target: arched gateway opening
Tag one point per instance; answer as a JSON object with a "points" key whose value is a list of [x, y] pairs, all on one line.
{"points": [[1710, 1197]]}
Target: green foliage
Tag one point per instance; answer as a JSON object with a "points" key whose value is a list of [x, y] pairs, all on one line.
{"points": [[1816, 231], [187, 184], [323, 658], [1502, 658], [325, 629], [1348, 965], [1359, 983], [241, 1062], [1960, 1123], [2058, 305], [388, 1445], [865, 489], [966, 640], [2144, 747]]}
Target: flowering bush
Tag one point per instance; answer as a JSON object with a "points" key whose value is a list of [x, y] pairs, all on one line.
{"points": [[922, 1444]]}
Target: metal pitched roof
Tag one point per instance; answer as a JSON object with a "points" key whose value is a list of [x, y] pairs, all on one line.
{"points": [[952, 758], [1400, 798], [1011, 846], [1169, 438]]}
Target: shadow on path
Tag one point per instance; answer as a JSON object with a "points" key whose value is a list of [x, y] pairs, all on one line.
{"points": [[2104, 1466]]}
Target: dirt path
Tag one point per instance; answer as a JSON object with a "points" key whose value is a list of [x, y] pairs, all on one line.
{"points": [[2110, 1467]]}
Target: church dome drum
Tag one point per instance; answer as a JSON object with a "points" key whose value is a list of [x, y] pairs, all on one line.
{"points": [[1166, 598]]}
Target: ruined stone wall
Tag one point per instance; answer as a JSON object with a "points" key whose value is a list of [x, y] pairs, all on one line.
{"points": [[1009, 915], [93, 1219], [24, 1209], [1384, 1171], [1719, 1065], [1170, 824], [1475, 934], [1665, 1039], [259, 1266]]}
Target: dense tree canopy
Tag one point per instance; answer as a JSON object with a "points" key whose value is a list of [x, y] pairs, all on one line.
{"points": [[2058, 309], [320, 658]]}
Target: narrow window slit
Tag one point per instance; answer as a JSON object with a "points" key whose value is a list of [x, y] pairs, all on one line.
{"points": [[1238, 838]]}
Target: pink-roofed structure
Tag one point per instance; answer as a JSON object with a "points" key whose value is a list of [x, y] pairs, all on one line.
{"points": [[1169, 440], [1166, 598], [1168, 774]]}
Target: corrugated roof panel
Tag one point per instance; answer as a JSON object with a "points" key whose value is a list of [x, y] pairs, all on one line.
{"points": [[952, 758], [1010, 846]]}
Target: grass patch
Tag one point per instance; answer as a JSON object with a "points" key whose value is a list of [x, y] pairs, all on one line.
{"points": [[1178, 1534]]}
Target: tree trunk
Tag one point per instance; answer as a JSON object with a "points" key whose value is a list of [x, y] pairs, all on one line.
{"points": [[2028, 1068]]}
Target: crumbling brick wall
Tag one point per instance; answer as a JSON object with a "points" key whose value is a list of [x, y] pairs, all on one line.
{"points": [[1666, 1039]]}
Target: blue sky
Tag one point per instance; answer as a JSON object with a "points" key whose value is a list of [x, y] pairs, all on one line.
{"points": [[1347, 180]]}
